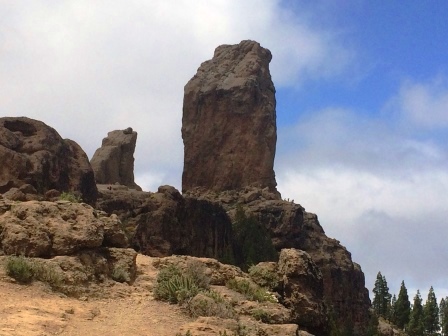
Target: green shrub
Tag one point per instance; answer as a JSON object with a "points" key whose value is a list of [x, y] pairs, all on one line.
{"points": [[250, 290], [264, 277], [25, 270], [48, 274], [260, 315], [210, 303], [119, 274], [196, 270], [71, 197], [252, 242], [20, 268]]}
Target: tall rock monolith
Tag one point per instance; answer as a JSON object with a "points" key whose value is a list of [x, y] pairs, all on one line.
{"points": [[229, 121], [113, 162]]}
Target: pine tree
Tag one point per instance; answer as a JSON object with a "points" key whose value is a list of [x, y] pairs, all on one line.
{"points": [[443, 313], [431, 314], [415, 326], [402, 308], [381, 299], [392, 314]]}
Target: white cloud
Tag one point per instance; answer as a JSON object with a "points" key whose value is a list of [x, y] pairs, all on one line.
{"points": [[424, 104], [379, 191]]}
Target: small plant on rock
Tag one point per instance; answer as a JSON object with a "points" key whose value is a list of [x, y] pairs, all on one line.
{"points": [[176, 286], [71, 197], [264, 277], [251, 290], [119, 274], [20, 268]]}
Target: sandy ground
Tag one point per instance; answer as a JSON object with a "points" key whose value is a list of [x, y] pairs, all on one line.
{"points": [[34, 310]]}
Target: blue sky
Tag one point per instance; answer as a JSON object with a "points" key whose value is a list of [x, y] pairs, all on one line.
{"points": [[362, 104]]}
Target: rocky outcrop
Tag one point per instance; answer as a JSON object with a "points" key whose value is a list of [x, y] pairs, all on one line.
{"points": [[77, 245], [229, 121], [35, 155], [302, 290], [290, 226], [48, 229], [165, 222], [113, 162]]}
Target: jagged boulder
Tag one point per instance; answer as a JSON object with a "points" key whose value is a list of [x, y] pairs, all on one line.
{"points": [[113, 162], [34, 154], [302, 290], [48, 229], [229, 121]]}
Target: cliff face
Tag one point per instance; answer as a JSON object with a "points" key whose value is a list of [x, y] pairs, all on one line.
{"points": [[228, 124]]}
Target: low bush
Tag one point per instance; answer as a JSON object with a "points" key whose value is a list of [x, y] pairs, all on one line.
{"points": [[210, 303], [25, 270], [20, 268], [264, 277], [251, 290], [71, 197], [176, 286], [119, 274]]}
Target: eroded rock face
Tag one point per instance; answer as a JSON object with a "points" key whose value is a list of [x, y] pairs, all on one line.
{"points": [[290, 226], [48, 229], [302, 290], [166, 223], [113, 162], [229, 121], [33, 153]]}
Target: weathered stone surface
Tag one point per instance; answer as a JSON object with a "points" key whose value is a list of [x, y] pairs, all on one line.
{"points": [[302, 290], [33, 153], [46, 229], [290, 226], [113, 162], [166, 223], [229, 121]]}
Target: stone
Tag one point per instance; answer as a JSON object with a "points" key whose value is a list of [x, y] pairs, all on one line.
{"points": [[166, 223], [113, 162], [290, 226], [33, 153], [302, 290], [229, 121], [47, 229]]}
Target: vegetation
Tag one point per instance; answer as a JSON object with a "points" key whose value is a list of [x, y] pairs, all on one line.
{"points": [[251, 290], [252, 242], [418, 319], [182, 286], [264, 277], [120, 274], [381, 297], [71, 197], [25, 270]]}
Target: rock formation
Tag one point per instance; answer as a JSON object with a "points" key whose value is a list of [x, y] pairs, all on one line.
{"points": [[83, 246], [165, 223], [113, 162], [290, 226], [36, 159], [229, 121]]}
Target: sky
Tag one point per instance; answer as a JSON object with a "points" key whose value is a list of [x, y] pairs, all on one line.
{"points": [[362, 104]]}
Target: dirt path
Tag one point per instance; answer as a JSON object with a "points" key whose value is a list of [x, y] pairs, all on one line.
{"points": [[127, 310]]}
